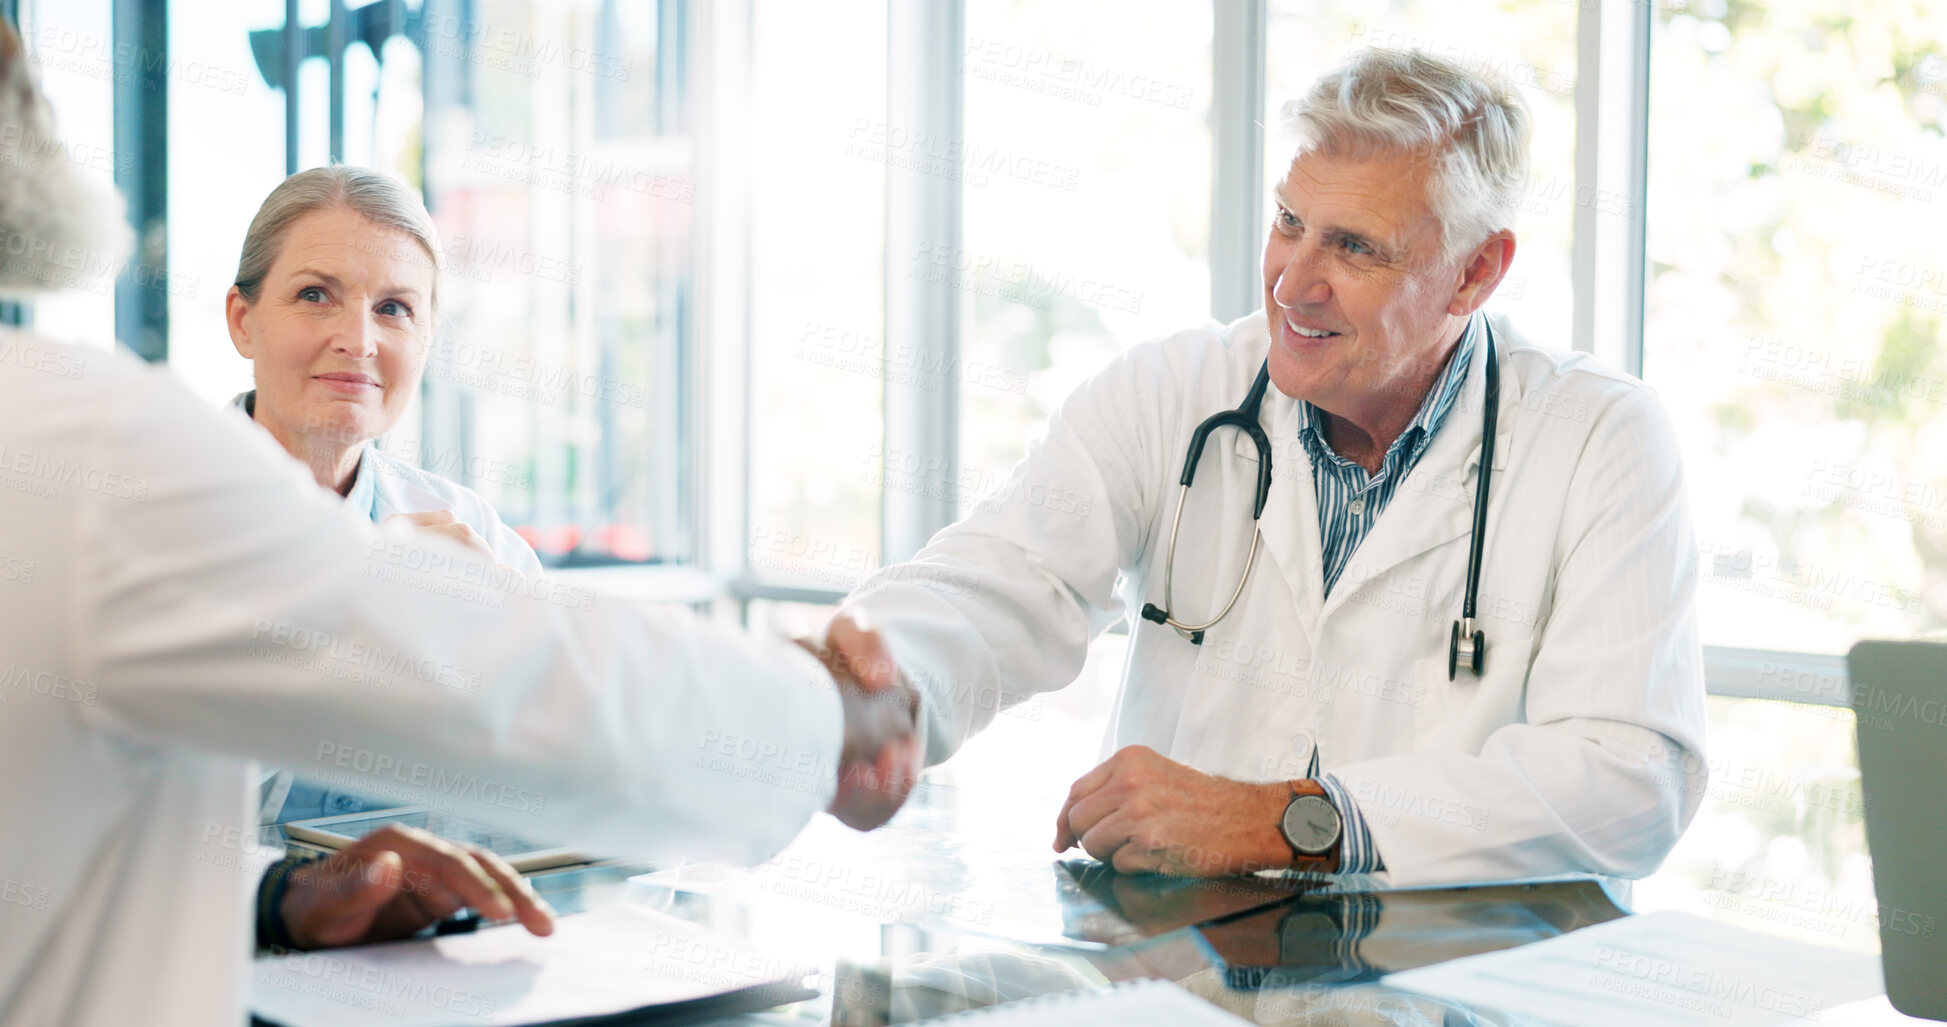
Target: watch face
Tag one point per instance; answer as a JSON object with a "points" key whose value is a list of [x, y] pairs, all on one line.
{"points": [[1311, 825]]}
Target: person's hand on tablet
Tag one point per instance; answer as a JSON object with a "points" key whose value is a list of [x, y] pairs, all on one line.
{"points": [[397, 880]]}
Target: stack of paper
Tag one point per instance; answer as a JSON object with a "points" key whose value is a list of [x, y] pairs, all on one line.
{"points": [[1661, 968], [599, 963], [1138, 1004]]}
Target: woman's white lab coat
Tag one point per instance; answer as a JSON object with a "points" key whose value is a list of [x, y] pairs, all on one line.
{"points": [[1579, 749], [386, 485], [382, 487], [181, 600]]}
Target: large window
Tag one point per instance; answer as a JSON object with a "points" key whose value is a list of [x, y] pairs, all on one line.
{"points": [[817, 305], [1529, 42], [552, 143], [72, 40], [1794, 312], [1086, 213], [1793, 324], [775, 289], [560, 169]]}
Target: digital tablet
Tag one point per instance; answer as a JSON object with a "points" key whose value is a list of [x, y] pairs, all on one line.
{"points": [[520, 853]]}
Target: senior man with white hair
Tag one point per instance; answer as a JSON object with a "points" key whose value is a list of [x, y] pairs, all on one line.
{"points": [[1305, 688]]}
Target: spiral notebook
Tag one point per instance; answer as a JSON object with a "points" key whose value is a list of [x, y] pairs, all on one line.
{"points": [[1134, 1004]]}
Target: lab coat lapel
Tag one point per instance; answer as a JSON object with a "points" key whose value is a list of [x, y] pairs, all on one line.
{"points": [[1435, 504], [1290, 521]]}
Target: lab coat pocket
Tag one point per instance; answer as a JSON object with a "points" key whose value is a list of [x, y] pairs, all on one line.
{"points": [[1461, 713], [1438, 701]]}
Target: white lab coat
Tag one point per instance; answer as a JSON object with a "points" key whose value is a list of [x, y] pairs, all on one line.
{"points": [[382, 487], [400, 488], [158, 562], [386, 485], [1578, 751]]}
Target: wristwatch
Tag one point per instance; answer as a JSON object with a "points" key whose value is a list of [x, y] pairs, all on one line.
{"points": [[1311, 825]]}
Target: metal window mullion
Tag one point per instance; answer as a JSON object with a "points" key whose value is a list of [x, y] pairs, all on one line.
{"points": [[923, 100], [1237, 156], [719, 339], [141, 118], [446, 411], [294, 49], [1608, 262], [1635, 161], [337, 38], [676, 421], [15, 313], [1814, 678]]}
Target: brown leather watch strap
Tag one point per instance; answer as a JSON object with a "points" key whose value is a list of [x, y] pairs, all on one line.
{"points": [[1327, 862]]}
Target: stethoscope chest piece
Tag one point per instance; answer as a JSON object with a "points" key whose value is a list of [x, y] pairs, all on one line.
{"points": [[1468, 648]]}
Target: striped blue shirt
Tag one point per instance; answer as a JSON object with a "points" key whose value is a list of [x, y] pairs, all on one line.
{"points": [[1350, 499], [1349, 503]]}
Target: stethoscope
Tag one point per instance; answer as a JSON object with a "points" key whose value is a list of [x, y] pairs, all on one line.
{"points": [[1468, 643]]}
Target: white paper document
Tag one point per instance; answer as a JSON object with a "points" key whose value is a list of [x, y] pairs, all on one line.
{"points": [[1148, 1003], [606, 961], [1661, 968]]}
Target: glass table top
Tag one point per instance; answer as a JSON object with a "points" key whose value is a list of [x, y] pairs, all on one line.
{"points": [[921, 919]]}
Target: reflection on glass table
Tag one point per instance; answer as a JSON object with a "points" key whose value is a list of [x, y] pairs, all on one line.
{"points": [[922, 919], [1100, 905], [920, 871], [1361, 937]]}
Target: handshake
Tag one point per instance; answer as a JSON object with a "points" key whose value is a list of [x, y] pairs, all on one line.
{"points": [[884, 751]]}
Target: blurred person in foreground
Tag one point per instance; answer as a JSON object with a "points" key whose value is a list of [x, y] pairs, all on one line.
{"points": [[183, 601]]}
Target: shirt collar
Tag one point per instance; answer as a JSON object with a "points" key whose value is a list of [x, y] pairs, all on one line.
{"points": [[1432, 413], [364, 494]]}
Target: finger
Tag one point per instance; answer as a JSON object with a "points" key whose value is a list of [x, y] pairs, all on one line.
{"points": [[1091, 809], [442, 877], [424, 518], [862, 651], [460, 533], [1066, 835], [464, 874], [533, 911], [334, 901], [372, 884], [895, 764], [1133, 859], [1093, 781], [1107, 837], [464, 535]]}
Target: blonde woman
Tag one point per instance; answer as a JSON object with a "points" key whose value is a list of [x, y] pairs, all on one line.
{"points": [[335, 302]]}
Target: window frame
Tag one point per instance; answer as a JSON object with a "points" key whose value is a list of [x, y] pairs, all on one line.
{"points": [[1609, 266], [712, 390]]}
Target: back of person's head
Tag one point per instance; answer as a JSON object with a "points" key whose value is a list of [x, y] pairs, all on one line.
{"points": [[1474, 129], [373, 195], [55, 224]]}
